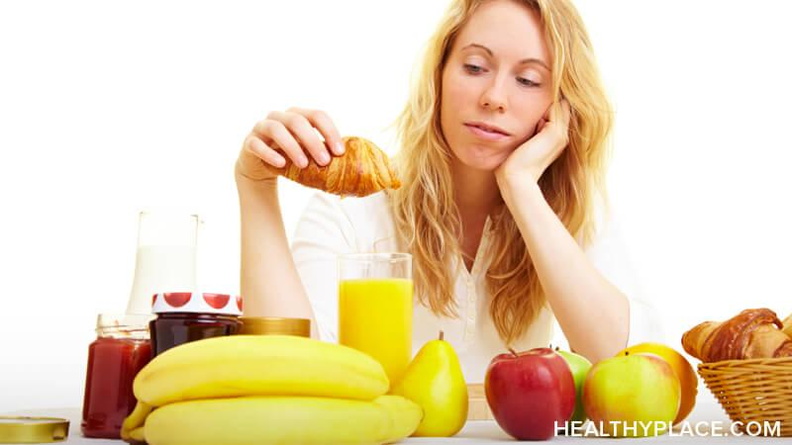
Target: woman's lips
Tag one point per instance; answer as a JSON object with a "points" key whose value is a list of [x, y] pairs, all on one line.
{"points": [[485, 133]]}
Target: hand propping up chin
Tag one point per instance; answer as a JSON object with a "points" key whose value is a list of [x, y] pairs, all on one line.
{"points": [[529, 161]]}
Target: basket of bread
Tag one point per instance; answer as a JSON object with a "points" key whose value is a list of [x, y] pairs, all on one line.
{"points": [[747, 365]]}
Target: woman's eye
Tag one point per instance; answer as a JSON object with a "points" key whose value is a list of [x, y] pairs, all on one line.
{"points": [[473, 69], [527, 82]]}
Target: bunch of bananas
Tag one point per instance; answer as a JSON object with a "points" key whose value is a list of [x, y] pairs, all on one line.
{"points": [[266, 390]]}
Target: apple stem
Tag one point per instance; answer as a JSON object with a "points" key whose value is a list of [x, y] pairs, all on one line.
{"points": [[514, 353], [440, 337]]}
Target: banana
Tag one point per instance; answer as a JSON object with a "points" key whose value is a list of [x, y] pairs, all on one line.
{"points": [[283, 420], [136, 435], [405, 416], [135, 419], [249, 365]]}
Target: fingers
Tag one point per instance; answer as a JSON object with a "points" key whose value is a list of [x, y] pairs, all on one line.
{"points": [[322, 122], [559, 112], [256, 146], [274, 134], [556, 121], [540, 125], [295, 134], [305, 135]]}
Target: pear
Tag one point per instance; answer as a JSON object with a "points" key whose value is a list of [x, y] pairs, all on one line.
{"points": [[435, 382]]}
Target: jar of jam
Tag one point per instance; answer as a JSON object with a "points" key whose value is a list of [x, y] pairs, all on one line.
{"points": [[121, 349], [188, 316]]}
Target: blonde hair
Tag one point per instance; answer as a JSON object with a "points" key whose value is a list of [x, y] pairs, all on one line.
{"points": [[426, 215]]}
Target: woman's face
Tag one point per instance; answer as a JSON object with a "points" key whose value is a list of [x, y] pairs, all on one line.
{"points": [[496, 84]]}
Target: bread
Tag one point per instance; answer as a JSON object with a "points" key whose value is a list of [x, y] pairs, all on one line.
{"points": [[753, 333], [363, 169], [787, 323]]}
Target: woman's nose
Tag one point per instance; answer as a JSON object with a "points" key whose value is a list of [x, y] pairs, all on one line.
{"points": [[494, 97]]}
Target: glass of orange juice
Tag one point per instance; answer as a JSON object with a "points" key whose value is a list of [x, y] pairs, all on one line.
{"points": [[375, 305]]}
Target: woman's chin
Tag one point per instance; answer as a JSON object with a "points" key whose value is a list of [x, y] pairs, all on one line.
{"points": [[488, 165], [483, 159]]}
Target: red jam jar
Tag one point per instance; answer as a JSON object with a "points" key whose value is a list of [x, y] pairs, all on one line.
{"points": [[121, 349], [189, 316]]}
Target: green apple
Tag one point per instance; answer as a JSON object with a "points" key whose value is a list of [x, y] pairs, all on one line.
{"points": [[633, 395], [579, 366]]}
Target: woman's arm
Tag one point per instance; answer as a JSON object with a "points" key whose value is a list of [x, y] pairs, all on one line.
{"points": [[591, 311], [270, 284], [269, 281]]}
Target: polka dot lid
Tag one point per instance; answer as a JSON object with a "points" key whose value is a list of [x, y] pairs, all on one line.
{"points": [[197, 303]]}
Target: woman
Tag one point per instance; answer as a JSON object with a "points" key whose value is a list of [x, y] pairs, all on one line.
{"points": [[502, 161]]}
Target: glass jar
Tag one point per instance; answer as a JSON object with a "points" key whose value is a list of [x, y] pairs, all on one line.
{"points": [[189, 316], [121, 349]]}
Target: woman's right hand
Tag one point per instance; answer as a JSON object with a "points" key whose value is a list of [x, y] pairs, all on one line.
{"points": [[295, 134]]}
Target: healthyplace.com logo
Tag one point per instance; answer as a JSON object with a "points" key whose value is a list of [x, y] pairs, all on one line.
{"points": [[639, 428]]}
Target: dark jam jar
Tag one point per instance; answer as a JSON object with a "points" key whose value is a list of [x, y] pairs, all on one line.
{"points": [[189, 316], [120, 351]]}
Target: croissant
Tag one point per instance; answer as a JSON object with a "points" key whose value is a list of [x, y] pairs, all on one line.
{"points": [[787, 322], [753, 333], [363, 169]]}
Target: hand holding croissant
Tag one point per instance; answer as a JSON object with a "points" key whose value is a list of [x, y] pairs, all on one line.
{"points": [[751, 334], [363, 169]]}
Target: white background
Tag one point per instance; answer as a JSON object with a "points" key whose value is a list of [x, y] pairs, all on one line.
{"points": [[107, 108]]}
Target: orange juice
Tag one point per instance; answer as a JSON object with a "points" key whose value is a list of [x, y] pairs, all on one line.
{"points": [[375, 317]]}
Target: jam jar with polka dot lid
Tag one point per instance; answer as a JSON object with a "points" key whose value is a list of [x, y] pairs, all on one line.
{"points": [[182, 317]]}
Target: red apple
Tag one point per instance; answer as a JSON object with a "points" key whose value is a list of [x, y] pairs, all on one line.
{"points": [[529, 392]]}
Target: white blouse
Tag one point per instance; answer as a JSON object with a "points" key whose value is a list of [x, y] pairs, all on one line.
{"points": [[331, 226]]}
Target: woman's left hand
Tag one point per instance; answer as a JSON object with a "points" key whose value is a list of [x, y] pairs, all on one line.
{"points": [[529, 161]]}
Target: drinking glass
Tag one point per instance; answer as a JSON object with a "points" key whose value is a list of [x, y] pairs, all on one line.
{"points": [[375, 299], [166, 258]]}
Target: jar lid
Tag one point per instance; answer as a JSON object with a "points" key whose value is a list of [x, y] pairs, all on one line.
{"points": [[21, 429], [197, 303], [300, 327]]}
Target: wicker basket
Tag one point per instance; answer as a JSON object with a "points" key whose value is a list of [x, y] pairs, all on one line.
{"points": [[755, 390]]}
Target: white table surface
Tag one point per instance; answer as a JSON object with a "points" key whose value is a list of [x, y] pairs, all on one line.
{"points": [[707, 411]]}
